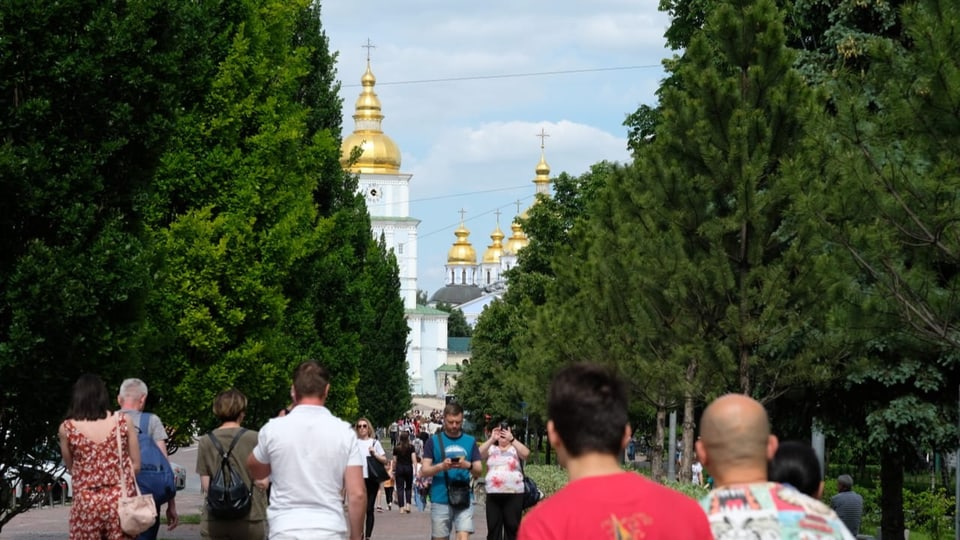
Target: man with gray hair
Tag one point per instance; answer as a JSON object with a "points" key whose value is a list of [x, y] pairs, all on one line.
{"points": [[132, 399], [848, 504]]}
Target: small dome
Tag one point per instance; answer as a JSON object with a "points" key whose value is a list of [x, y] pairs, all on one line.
{"points": [[379, 154], [518, 240], [462, 251], [494, 250]]}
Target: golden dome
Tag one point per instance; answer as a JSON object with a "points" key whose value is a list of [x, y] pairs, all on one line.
{"points": [[462, 251], [494, 250], [542, 180], [379, 154], [518, 240]]}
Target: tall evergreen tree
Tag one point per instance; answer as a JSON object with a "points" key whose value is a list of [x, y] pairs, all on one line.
{"points": [[383, 391], [884, 199]]}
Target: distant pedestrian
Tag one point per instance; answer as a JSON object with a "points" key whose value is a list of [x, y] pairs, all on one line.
{"points": [[452, 458], [369, 446], [504, 482], [848, 504], [404, 459]]}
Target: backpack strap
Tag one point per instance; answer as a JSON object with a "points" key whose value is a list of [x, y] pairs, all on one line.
{"points": [[144, 426], [216, 443]]}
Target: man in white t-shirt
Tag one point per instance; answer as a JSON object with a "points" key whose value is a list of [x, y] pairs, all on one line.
{"points": [[310, 457]]}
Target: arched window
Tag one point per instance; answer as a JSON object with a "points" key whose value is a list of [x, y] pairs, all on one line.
{"points": [[464, 276], [488, 277], [453, 277]]}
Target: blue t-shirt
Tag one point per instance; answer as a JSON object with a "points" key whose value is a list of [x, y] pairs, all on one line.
{"points": [[462, 447]]}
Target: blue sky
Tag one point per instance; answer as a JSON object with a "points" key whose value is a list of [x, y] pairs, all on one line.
{"points": [[472, 143]]}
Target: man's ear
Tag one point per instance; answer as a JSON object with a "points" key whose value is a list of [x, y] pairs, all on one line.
{"points": [[701, 452], [772, 445], [552, 435], [627, 433]]}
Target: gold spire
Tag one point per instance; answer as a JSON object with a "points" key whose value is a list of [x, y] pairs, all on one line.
{"points": [[462, 251], [495, 250], [379, 154], [542, 180]]}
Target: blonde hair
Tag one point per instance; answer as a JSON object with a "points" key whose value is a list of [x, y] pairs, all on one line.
{"points": [[229, 405]]}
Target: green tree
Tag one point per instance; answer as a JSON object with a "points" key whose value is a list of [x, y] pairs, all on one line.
{"points": [[884, 198], [89, 98], [457, 325], [689, 270], [384, 388]]}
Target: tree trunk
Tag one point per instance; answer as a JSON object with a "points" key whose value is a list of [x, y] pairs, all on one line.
{"points": [[685, 473], [686, 459], [656, 460], [891, 493]]}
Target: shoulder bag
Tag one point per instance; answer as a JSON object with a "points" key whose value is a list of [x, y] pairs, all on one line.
{"points": [[138, 513], [458, 491]]}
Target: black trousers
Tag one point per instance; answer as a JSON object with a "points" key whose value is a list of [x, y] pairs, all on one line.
{"points": [[503, 515], [404, 478], [372, 488]]}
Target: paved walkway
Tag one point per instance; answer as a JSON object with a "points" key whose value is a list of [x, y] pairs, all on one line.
{"points": [[52, 523]]}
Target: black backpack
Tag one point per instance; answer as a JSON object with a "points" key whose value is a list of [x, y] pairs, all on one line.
{"points": [[228, 497]]}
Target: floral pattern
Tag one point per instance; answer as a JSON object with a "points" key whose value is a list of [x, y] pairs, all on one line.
{"points": [[503, 470], [96, 483]]}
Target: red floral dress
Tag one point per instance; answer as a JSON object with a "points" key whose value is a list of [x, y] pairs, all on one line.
{"points": [[96, 483]]}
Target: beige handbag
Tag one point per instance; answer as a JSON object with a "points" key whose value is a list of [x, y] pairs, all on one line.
{"points": [[138, 513]]}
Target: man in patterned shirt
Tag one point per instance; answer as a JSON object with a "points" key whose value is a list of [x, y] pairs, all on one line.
{"points": [[735, 445]]}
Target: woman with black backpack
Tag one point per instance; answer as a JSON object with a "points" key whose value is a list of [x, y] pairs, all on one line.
{"points": [[235, 509]]}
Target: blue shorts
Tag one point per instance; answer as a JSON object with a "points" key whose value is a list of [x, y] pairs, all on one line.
{"points": [[462, 519]]}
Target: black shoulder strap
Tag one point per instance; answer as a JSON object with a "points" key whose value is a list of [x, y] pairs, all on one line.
{"points": [[443, 457], [226, 455]]}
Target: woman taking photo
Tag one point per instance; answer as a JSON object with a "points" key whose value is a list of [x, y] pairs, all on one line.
{"points": [[230, 407], [404, 456], [89, 446], [369, 446], [504, 482]]}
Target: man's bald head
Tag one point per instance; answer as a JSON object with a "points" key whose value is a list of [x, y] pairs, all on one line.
{"points": [[735, 436]]}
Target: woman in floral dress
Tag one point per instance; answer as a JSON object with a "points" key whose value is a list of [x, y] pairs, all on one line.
{"points": [[88, 443], [503, 483]]}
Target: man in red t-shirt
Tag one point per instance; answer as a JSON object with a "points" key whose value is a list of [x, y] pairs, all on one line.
{"points": [[588, 426]]}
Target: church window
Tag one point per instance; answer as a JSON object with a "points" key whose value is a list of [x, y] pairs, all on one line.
{"points": [[488, 277], [453, 276], [464, 276]]}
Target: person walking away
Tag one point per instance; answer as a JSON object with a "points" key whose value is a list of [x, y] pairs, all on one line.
{"points": [[796, 464], [504, 482], [735, 445], [403, 460], [588, 425], [132, 399], [307, 499], [450, 457], [229, 407], [88, 445], [369, 446], [394, 430], [848, 504]]}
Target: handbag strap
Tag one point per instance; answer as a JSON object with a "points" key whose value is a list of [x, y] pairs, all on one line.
{"points": [[123, 470], [443, 457]]}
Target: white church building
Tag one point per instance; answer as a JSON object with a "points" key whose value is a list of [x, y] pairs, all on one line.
{"points": [[387, 192]]}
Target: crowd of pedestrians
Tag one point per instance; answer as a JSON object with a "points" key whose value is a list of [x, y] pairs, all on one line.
{"points": [[313, 475]]}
